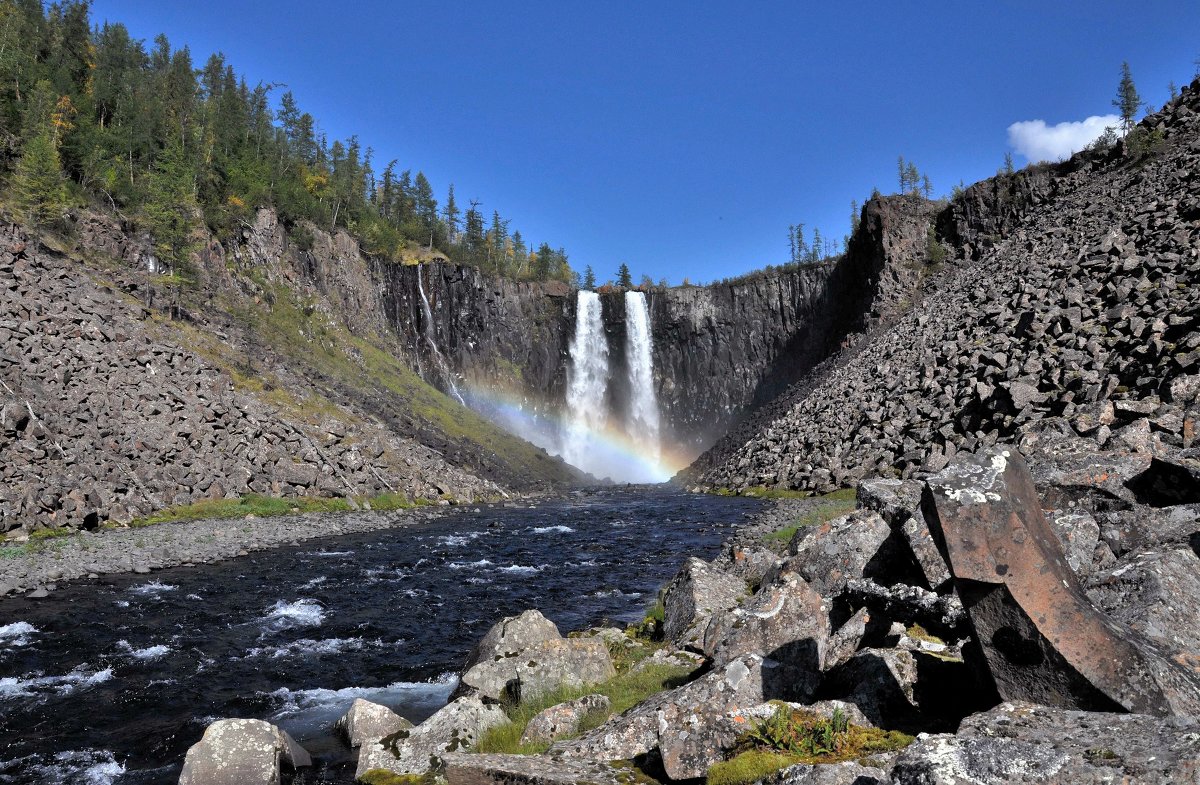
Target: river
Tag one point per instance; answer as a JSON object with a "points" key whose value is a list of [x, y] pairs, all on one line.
{"points": [[110, 681]]}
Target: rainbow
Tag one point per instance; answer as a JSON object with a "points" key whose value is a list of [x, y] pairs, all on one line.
{"points": [[612, 454]]}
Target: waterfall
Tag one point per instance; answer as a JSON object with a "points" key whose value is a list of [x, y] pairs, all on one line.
{"points": [[587, 383], [438, 358], [642, 420]]}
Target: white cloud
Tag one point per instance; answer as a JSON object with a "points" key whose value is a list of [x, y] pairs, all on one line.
{"points": [[1040, 142]]}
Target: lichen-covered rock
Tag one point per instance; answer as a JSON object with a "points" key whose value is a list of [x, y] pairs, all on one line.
{"points": [[562, 719], [525, 655], [696, 592], [1157, 593], [829, 555], [241, 752], [848, 773], [455, 727], [1023, 744], [786, 622], [1079, 534], [683, 724], [541, 668], [366, 721], [529, 770], [1042, 638]]}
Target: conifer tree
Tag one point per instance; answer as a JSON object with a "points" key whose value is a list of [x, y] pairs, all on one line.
{"points": [[624, 277], [854, 215], [170, 208], [926, 186], [914, 178], [40, 193], [1127, 102], [589, 278]]}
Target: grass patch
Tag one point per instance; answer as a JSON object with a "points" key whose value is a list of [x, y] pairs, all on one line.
{"points": [[750, 766], [919, 633], [385, 777], [623, 692], [827, 507], [265, 507], [51, 533], [791, 736]]}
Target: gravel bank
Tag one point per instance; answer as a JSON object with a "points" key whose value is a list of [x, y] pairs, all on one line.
{"points": [[90, 554]]}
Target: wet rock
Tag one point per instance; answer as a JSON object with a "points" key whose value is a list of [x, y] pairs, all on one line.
{"points": [[1023, 744], [785, 622], [696, 592], [562, 719], [1042, 638], [455, 727], [529, 770], [366, 721], [241, 752], [683, 724]]}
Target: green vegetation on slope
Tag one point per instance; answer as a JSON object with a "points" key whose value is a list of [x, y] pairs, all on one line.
{"points": [[90, 113], [360, 367], [269, 506]]}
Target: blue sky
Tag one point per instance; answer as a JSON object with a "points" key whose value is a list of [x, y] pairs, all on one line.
{"points": [[684, 137]]}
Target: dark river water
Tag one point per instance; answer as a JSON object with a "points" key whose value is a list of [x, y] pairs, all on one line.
{"points": [[112, 680]]}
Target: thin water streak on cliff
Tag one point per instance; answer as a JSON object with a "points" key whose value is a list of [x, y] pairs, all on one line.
{"points": [[438, 357]]}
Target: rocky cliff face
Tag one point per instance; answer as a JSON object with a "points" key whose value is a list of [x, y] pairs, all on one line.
{"points": [[1076, 296]]}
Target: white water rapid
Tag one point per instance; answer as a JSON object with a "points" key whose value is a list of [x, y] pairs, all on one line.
{"points": [[587, 385], [438, 358], [642, 420]]}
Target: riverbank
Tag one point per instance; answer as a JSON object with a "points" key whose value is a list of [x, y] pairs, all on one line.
{"points": [[37, 567]]}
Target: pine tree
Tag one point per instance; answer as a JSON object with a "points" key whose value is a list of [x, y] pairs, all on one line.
{"points": [[926, 186], [170, 208], [1127, 102], [854, 216], [914, 178], [902, 170], [450, 215], [1173, 90], [624, 277], [1008, 164], [589, 278], [40, 193]]}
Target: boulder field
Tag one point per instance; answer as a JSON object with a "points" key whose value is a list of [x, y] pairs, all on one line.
{"points": [[1067, 649]]}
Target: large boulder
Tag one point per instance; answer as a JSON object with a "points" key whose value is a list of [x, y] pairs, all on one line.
{"points": [[1023, 744], [848, 773], [786, 622], [696, 592], [524, 656], [241, 752], [853, 546], [684, 724], [1157, 593], [366, 721], [1041, 637], [455, 727], [562, 719], [529, 770]]}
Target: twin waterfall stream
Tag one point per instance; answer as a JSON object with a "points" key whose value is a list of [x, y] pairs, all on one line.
{"points": [[628, 450], [610, 436]]}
